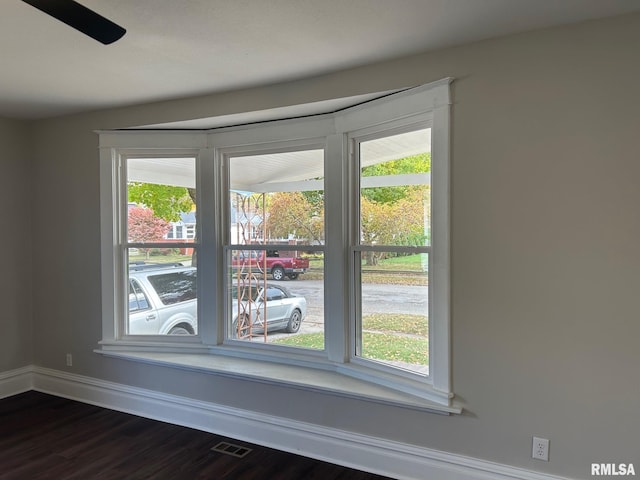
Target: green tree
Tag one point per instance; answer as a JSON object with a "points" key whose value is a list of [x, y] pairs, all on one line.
{"points": [[166, 201], [394, 223], [394, 215], [315, 199], [292, 213], [420, 163]]}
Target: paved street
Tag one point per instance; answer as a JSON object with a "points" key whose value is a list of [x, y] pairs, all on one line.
{"points": [[377, 298]]}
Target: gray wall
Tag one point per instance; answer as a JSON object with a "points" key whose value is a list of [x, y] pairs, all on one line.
{"points": [[545, 251], [16, 193]]}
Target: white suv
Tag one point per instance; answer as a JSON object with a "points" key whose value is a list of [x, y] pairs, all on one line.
{"points": [[162, 300]]}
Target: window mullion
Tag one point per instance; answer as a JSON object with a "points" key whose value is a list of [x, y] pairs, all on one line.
{"points": [[355, 275], [337, 247], [208, 278]]}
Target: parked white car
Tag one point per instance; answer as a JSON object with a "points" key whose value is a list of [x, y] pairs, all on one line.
{"points": [[162, 300]]}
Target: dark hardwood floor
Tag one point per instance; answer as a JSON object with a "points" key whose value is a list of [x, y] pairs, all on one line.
{"points": [[47, 437]]}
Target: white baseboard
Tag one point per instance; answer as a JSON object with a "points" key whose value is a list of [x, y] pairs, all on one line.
{"points": [[16, 381], [375, 455]]}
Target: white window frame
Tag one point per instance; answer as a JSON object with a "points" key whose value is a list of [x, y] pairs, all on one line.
{"points": [[226, 154], [425, 105], [405, 125]]}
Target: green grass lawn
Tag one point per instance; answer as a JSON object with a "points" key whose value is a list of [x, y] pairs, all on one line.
{"points": [[305, 340], [394, 348], [386, 337], [408, 262], [396, 323], [170, 258], [392, 271]]}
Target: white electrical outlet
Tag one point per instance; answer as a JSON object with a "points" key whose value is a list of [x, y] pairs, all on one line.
{"points": [[540, 449], [69, 360]]}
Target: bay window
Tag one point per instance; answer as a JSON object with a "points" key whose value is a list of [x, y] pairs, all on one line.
{"points": [[318, 242]]}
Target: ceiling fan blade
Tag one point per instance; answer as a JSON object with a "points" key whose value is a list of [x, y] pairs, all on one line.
{"points": [[81, 18]]}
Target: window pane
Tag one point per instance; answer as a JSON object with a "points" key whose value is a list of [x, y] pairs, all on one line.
{"points": [[161, 199], [162, 297], [288, 300], [395, 203], [277, 198], [393, 323]]}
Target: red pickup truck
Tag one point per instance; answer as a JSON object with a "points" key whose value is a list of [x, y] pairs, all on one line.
{"points": [[278, 267]]}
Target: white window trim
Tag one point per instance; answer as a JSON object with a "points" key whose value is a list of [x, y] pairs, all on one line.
{"points": [[430, 101]]}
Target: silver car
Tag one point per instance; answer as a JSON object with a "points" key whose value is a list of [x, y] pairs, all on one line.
{"points": [[255, 305]]}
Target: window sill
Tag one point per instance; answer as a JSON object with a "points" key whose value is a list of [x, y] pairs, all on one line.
{"points": [[293, 376]]}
